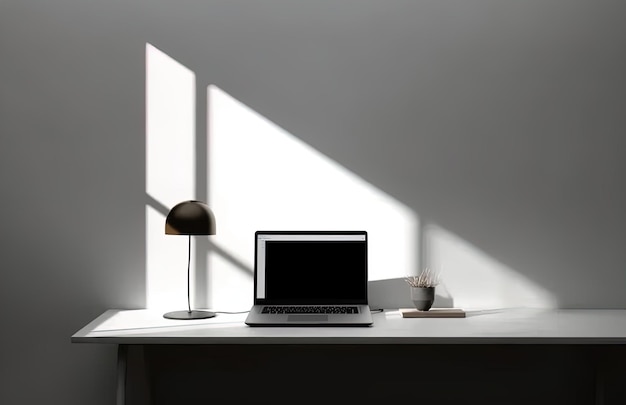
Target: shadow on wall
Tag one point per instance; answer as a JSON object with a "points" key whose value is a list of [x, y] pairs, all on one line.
{"points": [[262, 177]]}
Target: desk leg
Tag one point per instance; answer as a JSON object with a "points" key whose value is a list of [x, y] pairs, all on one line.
{"points": [[133, 376], [122, 358], [610, 361]]}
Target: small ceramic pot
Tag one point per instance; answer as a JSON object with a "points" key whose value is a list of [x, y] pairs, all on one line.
{"points": [[423, 297]]}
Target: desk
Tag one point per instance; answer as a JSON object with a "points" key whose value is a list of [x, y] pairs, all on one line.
{"points": [[497, 356]]}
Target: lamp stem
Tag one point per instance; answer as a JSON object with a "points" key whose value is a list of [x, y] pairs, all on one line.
{"points": [[189, 277]]}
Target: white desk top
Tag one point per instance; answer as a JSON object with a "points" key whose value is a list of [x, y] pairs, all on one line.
{"points": [[519, 326]]}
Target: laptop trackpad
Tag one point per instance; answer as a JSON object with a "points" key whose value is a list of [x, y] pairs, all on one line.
{"points": [[307, 318]]}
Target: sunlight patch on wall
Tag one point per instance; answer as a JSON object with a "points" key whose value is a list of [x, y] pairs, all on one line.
{"points": [[230, 288], [263, 178], [476, 281], [170, 128], [170, 174]]}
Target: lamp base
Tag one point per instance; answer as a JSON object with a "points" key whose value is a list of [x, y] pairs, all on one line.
{"points": [[189, 315]]}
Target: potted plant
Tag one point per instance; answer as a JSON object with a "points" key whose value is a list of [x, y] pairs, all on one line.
{"points": [[423, 289]]}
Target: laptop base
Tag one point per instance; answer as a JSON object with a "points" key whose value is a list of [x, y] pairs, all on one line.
{"points": [[257, 318]]}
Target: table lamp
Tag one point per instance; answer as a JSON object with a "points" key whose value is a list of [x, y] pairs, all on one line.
{"points": [[190, 218]]}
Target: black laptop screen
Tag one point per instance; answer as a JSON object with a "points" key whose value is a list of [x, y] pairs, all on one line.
{"points": [[313, 271]]}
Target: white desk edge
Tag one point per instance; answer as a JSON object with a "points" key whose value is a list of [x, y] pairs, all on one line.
{"points": [[501, 326]]}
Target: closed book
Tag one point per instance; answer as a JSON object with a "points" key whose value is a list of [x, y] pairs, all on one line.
{"points": [[433, 313]]}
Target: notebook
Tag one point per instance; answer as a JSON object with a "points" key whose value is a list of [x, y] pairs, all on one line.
{"points": [[313, 278]]}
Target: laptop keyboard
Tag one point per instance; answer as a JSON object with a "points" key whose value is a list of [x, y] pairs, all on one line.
{"points": [[309, 309]]}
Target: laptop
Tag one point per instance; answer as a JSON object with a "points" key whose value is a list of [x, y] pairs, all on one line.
{"points": [[310, 278]]}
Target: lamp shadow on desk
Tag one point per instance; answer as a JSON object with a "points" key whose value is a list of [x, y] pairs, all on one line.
{"points": [[395, 293]]}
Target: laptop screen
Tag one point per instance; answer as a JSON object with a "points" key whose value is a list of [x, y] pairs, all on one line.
{"points": [[311, 267]]}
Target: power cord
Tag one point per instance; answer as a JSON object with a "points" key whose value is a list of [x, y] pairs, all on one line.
{"points": [[376, 311], [223, 312]]}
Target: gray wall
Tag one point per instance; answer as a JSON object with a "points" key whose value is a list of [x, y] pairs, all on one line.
{"points": [[503, 122]]}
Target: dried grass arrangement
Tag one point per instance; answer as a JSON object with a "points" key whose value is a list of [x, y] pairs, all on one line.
{"points": [[427, 278]]}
